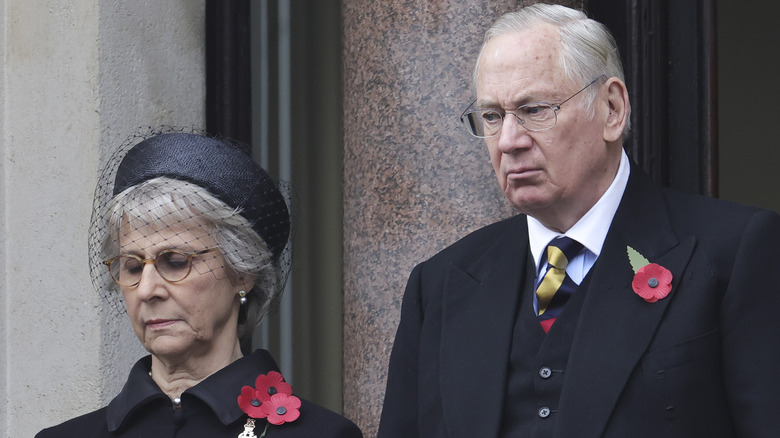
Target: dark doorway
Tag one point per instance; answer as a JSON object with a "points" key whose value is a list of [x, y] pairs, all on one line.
{"points": [[669, 56]]}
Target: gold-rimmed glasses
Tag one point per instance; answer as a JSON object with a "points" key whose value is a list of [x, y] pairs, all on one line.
{"points": [[172, 265]]}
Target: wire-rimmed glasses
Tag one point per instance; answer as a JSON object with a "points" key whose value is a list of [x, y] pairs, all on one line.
{"points": [[172, 265], [535, 116]]}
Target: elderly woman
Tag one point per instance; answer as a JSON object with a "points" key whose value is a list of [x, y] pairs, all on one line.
{"points": [[190, 232]]}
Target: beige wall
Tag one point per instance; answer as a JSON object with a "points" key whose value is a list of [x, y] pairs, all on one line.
{"points": [[75, 79]]}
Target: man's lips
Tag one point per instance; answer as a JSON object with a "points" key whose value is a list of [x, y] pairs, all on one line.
{"points": [[521, 172], [160, 323]]}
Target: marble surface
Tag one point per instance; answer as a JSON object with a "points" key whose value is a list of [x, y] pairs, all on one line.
{"points": [[414, 179]]}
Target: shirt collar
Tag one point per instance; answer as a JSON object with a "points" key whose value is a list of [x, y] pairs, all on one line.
{"points": [[219, 391], [591, 229]]}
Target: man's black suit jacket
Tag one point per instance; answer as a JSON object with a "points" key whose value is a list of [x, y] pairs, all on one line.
{"points": [[702, 362]]}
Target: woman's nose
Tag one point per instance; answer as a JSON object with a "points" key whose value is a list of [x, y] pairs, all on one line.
{"points": [[151, 285]]}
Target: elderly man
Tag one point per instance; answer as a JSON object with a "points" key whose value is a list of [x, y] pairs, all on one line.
{"points": [[610, 306]]}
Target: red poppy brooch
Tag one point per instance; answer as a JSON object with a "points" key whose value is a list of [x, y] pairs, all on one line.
{"points": [[270, 399], [651, 281]]}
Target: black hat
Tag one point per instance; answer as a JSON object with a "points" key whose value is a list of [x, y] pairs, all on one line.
{"points": [[222, 169]]}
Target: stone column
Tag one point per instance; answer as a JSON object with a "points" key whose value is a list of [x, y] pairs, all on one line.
{"points": [[414, 180], [77, 78]]}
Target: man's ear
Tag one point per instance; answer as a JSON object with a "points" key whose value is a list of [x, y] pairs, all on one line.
{"points": [[619, 110]]}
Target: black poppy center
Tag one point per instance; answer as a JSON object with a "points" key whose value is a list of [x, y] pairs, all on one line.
{"points": [[652, 282], [255, 402], [281, 410], [272, 390]]}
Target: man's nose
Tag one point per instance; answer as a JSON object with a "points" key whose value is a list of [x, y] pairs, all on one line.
{"points": [[513, 135]]}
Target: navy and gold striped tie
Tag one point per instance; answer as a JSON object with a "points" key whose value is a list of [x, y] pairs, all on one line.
{"points": [[556, 286]]}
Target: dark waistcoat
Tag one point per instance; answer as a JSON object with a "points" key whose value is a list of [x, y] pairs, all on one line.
{"points": [[537, 366]]}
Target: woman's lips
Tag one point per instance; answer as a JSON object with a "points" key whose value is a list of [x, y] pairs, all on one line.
{"points": [[160, 323]]}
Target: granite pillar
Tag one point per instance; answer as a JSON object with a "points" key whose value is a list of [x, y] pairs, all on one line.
{"points": [[414, 180]]}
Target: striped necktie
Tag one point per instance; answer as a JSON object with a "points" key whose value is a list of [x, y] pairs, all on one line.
{"points": [[556, 287]]}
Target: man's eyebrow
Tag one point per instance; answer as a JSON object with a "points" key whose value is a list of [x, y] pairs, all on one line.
{"points": [[484, 104], [516, 102]]}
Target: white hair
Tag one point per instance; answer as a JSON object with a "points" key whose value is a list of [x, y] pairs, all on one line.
{"points": [[588, 49]]}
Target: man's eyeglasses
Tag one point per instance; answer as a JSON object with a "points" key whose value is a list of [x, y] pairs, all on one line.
{"points": [[171, 264], [537, 116]]}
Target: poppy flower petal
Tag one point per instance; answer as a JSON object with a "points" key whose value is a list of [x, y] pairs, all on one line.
{"points": [[271, 398], [249, 403], [272, 383], [652, 282], [282, 408]]}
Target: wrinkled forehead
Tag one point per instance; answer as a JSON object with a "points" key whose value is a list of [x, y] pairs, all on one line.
{"points": [[534, 43], [521, 56], [136, 235], [537, 48]]}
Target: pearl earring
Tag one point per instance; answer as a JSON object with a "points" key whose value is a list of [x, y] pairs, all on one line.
{"points": [[242, 296]]}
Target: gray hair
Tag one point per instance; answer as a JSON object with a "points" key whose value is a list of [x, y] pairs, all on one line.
{"points": [[588, 49], [171, 202]]}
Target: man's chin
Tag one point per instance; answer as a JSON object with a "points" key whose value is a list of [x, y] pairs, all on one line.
{"points": [[526, 200]]}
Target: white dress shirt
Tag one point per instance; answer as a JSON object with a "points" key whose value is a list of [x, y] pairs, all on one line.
{"points": [[590, 230]]}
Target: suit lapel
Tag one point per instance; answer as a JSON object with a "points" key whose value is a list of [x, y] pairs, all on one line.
{"points": [[616, 325], [478, 318]]}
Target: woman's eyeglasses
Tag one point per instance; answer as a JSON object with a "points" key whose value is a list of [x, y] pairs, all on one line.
{"points": [[171, 264]]}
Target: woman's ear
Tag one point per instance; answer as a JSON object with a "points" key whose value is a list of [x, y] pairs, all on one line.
{"points": [[242, 281], [619, 110], [247, 282]]}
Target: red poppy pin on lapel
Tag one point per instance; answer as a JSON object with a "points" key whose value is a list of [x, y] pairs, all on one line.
{"points": [[272, 399], [651, 281]]}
